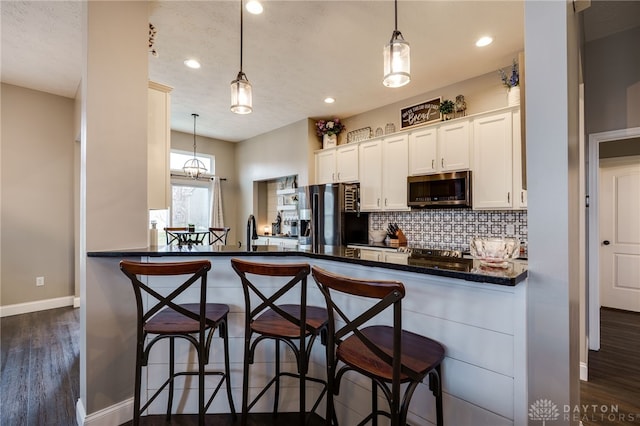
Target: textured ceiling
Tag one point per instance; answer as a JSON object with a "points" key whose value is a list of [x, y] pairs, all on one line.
{"points": [[295, 54]]}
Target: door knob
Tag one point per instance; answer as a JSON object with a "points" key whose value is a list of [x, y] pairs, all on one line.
{"points": [[606, 242]]}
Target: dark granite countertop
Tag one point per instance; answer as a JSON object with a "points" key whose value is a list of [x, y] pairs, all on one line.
{"points": [[469, 269]]}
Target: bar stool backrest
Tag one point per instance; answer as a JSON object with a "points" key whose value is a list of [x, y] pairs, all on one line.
{"points": [[389, 295], [196, 271], [297, 272]]}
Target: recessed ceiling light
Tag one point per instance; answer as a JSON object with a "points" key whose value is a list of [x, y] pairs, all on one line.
{"points": [[254, 6], [484, 41], [329, 100], [192, 63]]}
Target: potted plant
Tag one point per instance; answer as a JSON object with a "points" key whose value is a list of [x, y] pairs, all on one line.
{"points": [[328, 130], [446, 109], [512, 82]]}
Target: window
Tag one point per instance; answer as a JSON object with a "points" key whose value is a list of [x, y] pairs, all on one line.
{"points": [[190, 199]]}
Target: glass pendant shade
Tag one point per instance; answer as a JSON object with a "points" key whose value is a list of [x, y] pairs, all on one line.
{"points": [[397, 63], [241, 102]]}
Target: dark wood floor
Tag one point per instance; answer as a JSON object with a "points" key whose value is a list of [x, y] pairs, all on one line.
{"points": [[614, 372], [39, 382], [40, 365]]}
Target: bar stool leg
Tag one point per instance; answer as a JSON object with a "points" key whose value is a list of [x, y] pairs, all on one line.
{"points": [[435, 385], [171, 373], [245, 379], [201, 365], [138, 384], [277, 393], [227, 369], [374, 403]]}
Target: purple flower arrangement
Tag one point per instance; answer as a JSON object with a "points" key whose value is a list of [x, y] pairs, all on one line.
{"points": [[512, 79], [329, 127]]}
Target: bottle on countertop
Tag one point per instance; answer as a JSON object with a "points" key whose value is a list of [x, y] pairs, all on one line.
{"points": [[153, 235]]}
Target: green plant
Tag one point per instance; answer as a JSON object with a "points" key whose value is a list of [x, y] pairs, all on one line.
{"points": [[446, 107]]}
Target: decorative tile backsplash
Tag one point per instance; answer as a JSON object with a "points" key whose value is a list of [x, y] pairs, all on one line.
{"points": [[453, 228]]}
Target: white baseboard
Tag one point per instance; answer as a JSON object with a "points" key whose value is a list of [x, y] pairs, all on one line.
{"points": [[584, 371], [39, 305], [116, 414]]}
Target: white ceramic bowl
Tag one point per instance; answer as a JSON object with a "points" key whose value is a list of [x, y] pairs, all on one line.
{"points": [[495, 251], [377, 235]]}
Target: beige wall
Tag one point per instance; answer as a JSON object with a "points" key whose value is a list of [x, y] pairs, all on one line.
{"points": [[225, 154], [37, 196], [482, 93], [612, 82], [113, 193], [282, 152]]}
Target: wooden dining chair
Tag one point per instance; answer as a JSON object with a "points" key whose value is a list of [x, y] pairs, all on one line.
{"points": [[386, 354], [159, 318], [292, 324], [218, 235]]}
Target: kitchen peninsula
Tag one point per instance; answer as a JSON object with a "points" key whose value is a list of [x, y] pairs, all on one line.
{"points": [[479, 316]]}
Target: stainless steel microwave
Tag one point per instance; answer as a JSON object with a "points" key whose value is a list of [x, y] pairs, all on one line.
{"points": [[439, 190]]}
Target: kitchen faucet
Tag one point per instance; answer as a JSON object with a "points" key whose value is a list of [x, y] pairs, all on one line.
{"points": [[251, 223]]}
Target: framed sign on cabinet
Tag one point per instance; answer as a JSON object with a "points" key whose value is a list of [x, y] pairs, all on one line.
{"points": [[421, 113]]}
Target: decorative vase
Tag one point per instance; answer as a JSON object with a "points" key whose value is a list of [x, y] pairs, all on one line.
{"points": [[329, 141], [513, 96]]}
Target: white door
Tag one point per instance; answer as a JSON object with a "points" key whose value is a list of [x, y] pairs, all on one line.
{"points": [[394, 173], [619, 212], [371, 176]]}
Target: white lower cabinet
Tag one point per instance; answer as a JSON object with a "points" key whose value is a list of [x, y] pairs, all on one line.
{"points": [[497, 171], [383, 174]]}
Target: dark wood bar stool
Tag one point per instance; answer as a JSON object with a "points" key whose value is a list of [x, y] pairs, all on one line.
{"points": [[164, 319], [292, 324], [388, 355]]}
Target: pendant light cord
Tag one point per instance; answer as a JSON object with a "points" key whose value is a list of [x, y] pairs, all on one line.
{"points": [[194, 133], [396, 14], [241, 32]]}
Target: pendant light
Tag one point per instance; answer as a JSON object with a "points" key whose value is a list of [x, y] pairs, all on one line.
{"points": [[241, 102], [194, 167], [397, 64]]}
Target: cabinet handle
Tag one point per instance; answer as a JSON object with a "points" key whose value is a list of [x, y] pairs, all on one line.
{"points": [[338, 175], [508, 197], [433, 166], [378, 202], [333, 177], [522, 196], [385, 202], [442, 162]]}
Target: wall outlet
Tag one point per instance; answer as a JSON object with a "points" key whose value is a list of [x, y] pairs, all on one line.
{"points": [[39, 281]]}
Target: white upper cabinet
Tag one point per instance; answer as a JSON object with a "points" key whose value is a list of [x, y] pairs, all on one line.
{"points": [[347, 163], [520, 200], [371, 175], [453, 146], [158, 146], [492, 161], [325, 166], [423, 153], [337, 165], [497, 162], [383, 174], [395, 167]]}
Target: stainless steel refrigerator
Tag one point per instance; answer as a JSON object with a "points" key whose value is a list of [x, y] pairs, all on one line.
{"points": [[329, 215]]}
